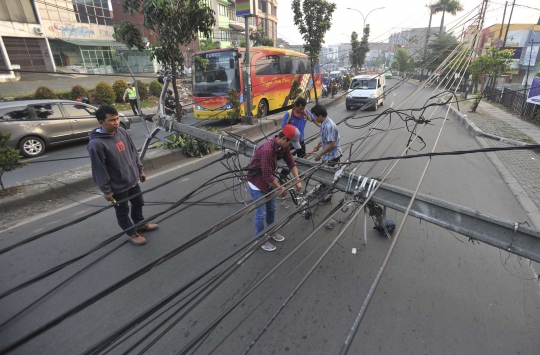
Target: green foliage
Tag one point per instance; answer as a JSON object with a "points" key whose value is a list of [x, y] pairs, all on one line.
{"points": [[44, 92], [402, 61], [495, 62], [438, 50], [104, 93], [207, 44], [364, 46], [155, 88], [235, 112], [354, 56], [175, 22], [191, 146], [242, 43], [143, 90], [444, 6], [63, 94], [9, 157], [313, 19], [259, 39], [119, 87], [177, 141], [78, 91]]}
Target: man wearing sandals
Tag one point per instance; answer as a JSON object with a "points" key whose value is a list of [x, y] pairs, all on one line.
{"points": [[117, 169], [261, 178]]}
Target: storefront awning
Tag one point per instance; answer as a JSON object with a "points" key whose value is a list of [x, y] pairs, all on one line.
{"points": [[95, 43], [236, 27]]}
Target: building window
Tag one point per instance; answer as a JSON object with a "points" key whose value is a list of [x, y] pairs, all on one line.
{"points": [[96, 11], [274, 10], [223, 11], [232, 15], [224, 36], [17, 11]]}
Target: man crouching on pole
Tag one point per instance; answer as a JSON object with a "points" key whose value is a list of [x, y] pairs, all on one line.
{"points": [[264, 162]]}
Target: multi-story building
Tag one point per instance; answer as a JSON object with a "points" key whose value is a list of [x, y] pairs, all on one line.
{"points": [[80, 33], [377, 55], [413, 40], [268, 18], [344, 49], [23, 42]]}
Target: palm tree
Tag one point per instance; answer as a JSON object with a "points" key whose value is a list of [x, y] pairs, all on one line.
{"points": [[444, 6]]}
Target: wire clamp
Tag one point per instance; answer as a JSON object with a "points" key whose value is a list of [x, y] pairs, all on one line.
{"points": [[516, 226]]}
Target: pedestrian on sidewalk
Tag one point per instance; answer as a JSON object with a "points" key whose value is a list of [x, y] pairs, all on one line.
{"points": [[331, 153], [298, 116], [132, 97], [261, 178], [117, 170]]}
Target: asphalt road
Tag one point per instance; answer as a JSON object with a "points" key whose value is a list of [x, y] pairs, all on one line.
{"points": [[441, 294], [77, 149]]}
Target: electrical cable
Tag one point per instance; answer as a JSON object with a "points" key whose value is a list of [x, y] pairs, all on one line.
{"points": [[80, 219], [141, 271], [100, 345]]}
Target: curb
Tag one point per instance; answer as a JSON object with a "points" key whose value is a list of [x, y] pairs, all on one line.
{"points": [[55, 187], [477, 132]]}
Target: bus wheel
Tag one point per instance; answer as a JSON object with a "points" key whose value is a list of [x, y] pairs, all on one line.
{"points": [[262, 109]]}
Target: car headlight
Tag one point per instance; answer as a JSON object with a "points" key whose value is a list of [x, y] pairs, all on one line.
{"points": [[349, 96], [199, 107]]}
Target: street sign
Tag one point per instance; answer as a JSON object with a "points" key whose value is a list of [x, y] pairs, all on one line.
{"points": [[247, 7]]}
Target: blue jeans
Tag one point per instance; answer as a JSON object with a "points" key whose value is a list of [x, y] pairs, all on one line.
{"points": [[122, 209], [267, 210]]}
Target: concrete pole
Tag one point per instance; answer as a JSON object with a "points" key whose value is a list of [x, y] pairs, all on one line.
{"points": [[247, 119], [427, 39], [507, 27]]}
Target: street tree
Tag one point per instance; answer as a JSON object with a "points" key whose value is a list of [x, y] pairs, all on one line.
{"points": [[444, 6], [259, 39], [9, 157], [313, 19], [354, 57], [402, 61], [493, 63], [175, 22]]}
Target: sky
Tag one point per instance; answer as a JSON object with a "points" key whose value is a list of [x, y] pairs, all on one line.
{"points": [[398, 15]]}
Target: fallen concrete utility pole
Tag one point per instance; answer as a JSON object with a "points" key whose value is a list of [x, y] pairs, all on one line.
{"points": [[513, 237]]}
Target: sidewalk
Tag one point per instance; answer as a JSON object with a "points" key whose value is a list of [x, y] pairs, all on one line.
{"points": [[520, 169]]}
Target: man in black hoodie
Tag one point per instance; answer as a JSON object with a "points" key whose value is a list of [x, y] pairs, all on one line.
{"points": [[117, 169]]}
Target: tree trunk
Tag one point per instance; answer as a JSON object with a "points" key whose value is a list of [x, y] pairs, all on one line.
{"points": [[1, 183], [314, 86], [179, 117], [442, 22]]}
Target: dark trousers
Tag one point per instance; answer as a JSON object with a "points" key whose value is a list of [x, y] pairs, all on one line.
{"points": [[300, 153], [122, 209], [133, 103]]}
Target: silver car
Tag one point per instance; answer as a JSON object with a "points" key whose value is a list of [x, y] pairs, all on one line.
{"points": [[37, 124]]}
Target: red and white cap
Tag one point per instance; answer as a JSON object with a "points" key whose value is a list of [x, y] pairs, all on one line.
{"points": [[293, 134]]}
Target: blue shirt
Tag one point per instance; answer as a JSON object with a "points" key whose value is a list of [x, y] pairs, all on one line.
{"points": [[330, 133], [299, 123]]}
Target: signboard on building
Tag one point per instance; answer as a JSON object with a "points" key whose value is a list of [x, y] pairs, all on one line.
{"points": [[247, 7], [534, 92], [530, 56]]}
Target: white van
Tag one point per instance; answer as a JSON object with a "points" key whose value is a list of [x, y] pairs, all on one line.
{"points": [[363, 89]]}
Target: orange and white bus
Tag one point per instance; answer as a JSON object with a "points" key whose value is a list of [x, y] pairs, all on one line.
{"points": [[278, 77]]}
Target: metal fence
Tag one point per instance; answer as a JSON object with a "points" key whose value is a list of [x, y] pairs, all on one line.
{"points": [[514, 100]]}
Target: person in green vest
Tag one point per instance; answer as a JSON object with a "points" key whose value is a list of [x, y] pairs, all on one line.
{"points": [[132, 97]]}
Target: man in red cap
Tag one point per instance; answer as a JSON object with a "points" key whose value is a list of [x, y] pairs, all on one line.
{"points": [[261, 178]]}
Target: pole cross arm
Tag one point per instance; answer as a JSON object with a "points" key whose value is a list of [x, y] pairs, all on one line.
{"points": [[510, 236]]}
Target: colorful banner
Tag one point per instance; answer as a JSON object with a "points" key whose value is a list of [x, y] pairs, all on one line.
{"points": [[243, 8], [534, 92]]}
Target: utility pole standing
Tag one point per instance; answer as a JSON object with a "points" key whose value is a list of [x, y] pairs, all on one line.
{"points": [[502, 23], [427, 39], [247, 119], [507, 27]]}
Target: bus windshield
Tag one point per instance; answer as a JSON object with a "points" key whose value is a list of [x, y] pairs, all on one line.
{"points": [[219, 76]]}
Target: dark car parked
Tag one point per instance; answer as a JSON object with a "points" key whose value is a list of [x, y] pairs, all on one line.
{"points": [[37, 124]]}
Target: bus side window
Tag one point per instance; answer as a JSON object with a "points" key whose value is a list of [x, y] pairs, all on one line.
{"points": [[263, 66], [285, 64], [295, 64]]}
